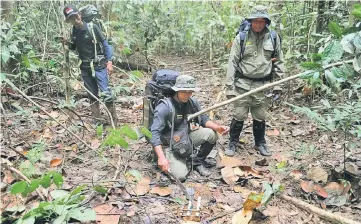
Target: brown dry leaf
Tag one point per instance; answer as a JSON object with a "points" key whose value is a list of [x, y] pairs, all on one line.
{"points": [[54, 114], [229, 161], [296, 174], [250, 171], [353, 169], [74, 148], [228, 175], [242, 217], [237, 171], [334, 187], [279, 157], [161, 191], [244, 191], [273, 132], [55, 162], [9, 178], [307, 186], [320, 191], [48, 134], [317, 174], [141, 188], [95, 143], [102, 216]]}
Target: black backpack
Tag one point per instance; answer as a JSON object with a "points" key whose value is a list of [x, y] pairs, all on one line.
{"points": [[157, 89], [242, 31]]}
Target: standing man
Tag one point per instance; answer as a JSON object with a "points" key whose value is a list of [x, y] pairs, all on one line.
{"points": [[256, 63], [201, 132], [95, 59]]}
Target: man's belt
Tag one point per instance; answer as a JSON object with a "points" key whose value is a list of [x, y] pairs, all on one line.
{"points": [[241, 76]]}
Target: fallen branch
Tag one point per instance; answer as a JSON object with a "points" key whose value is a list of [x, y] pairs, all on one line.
{"points": [[58, 122], [267, 86], [25, 178], [322, 213]]}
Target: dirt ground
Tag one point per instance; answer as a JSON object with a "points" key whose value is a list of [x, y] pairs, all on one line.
{"points": [[297, 145]]}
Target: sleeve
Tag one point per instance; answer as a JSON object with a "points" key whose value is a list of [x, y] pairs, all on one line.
{"points": [[233, 61], [159, 122], [279, 65], [203, 117], [106, 47]]}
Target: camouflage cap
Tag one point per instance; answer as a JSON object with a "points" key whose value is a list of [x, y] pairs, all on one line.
{"points": [[185, 82], [259, 11]]}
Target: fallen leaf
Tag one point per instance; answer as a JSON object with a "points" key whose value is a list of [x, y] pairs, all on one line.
{"points": [[334, 187], [273, 132], [244, 191], [225, 207], [297, 132], [54, 114], [228, 175], [296, 174], [9, 178], [282, 164], [157, 208], [353, 169], [320, 191], [254, 183], [271, 211], [141, 188], [279, 157], [237, 171], [47, 134], [229, 161], [55, 162], [251, 172], [74, 148], [307, 186], [103, 217], [95, 143], [242, 217], [131, 211], [262, 162], [161, 191], [336, 200], [317, 174], [253, 201]]}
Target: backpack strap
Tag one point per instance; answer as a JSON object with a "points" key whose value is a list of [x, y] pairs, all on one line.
{"points": [[91, 29], [243, 35], [170, 105], [194, 108], [273, 36]]}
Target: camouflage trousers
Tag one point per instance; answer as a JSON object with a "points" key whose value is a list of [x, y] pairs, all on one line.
{"points": [[256, 103], [179, 166]]}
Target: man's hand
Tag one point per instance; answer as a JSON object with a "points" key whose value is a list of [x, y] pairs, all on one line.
{"points": [[163, 164], [109, 67], [222, 130]]}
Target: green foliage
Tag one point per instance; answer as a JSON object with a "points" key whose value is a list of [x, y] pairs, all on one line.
{"points": [[333, 52], [146, 132], [316, 57], [311, 65], [36, 152], [24, 188], [335, 29], [100, 189], [357, 11], [99, 130], [64, 206], [117, 137]]}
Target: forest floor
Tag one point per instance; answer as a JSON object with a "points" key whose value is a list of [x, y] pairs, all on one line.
{"points": [[301, 153]]}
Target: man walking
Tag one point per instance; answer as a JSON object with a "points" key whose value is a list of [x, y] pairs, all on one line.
{"points": [[95, 55], [256, 63]]}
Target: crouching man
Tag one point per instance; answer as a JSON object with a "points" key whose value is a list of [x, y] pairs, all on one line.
{"points": [[178, 138]]}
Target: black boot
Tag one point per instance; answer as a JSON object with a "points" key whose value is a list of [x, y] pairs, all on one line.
{"points": [[259, 131], [199, 160], [234, 133]]}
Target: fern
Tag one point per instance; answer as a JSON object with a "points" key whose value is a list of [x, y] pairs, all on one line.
{"points": [[311, 65]]}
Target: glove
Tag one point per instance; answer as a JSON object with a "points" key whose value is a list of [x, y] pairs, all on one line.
{"points": [[109, 67]]}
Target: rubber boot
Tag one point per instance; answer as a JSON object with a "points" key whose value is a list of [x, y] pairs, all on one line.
{"points": [[113, 112], [234, 133], [95, 109], [199, 160], [259, 131], [202, 170]]}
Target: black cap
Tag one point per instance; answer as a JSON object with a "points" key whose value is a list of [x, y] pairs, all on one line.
{"points": [[69, 11]]}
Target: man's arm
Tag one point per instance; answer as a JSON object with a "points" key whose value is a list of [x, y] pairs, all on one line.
{"points": [[159, 121], [232, 65], [108, 53]]}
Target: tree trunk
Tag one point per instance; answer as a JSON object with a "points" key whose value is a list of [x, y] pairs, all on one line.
{"points": [[320, 16]]}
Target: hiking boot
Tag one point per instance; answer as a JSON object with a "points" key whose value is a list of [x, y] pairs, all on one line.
{"points": [[259, 130], [210, 162], [204, 151], [202, 170], [113, 112], [234, 133]]}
